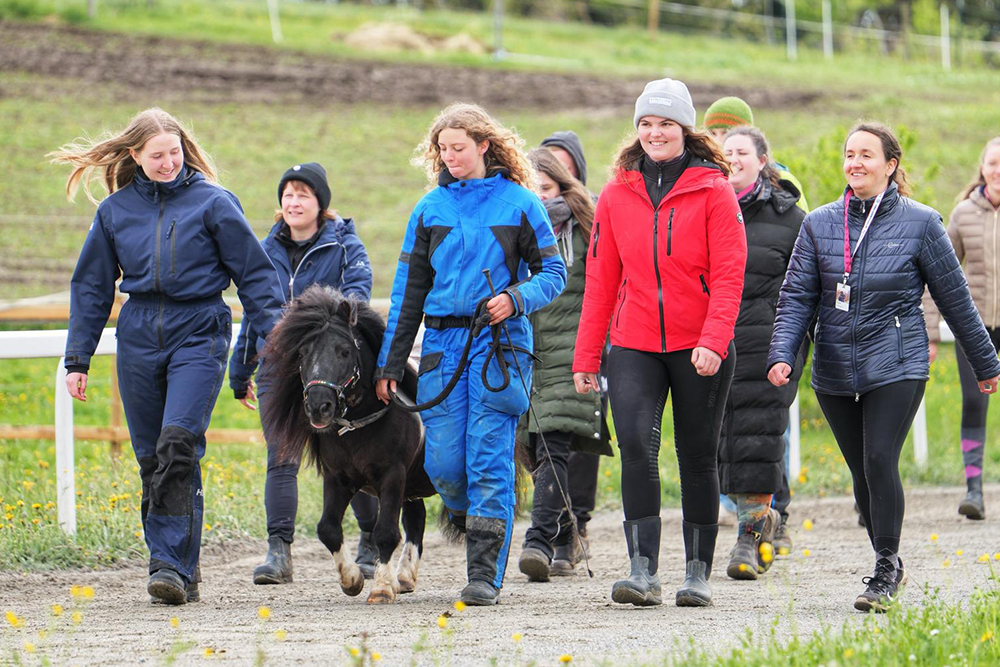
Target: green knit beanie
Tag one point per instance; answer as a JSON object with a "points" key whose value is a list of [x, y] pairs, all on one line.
{"points": [[727, 113]]}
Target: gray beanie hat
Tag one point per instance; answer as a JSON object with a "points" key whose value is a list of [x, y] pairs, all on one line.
{"points": [[666, 98]]}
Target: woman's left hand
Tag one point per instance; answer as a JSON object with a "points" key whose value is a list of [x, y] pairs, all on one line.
{"points": [[500, 308], [705, 361], [989, 386]]}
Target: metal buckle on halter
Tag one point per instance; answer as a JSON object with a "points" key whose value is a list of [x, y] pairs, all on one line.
{"points": [[339, 389]]}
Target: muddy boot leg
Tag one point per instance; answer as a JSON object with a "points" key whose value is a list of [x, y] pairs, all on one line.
{"points": [[972, 507], [366, 555], [484, 539], [642, 587], [699, 550], [743, 557], [277, 567], [167, 587]]}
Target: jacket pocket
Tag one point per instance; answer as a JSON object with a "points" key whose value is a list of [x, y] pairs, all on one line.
{"points": [[704, 284], [621, 303], [512, 399], [430, 383], [597, 236], [173, 247], [670, 229], [899, 335]]}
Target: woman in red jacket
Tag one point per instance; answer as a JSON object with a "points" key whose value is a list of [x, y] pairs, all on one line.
{"points": [[665, 270]]}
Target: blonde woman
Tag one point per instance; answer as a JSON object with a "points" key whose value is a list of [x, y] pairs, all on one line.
{"points": [[176, 239], [479, 214]]}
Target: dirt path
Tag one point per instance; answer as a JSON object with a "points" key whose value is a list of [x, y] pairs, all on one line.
{"points": [[572, 615]]}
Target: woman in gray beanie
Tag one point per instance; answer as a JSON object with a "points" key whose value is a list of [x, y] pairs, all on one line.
{"points": [[665, 272]]}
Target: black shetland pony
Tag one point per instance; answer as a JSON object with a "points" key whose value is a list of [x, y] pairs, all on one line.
{"points": [[322, 356]]}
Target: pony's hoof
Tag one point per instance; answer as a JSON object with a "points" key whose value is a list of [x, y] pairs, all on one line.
{"points": [[406, 586], [381, 596], [353, 588]]}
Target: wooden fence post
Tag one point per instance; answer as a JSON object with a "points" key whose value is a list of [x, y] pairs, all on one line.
{"points": [[653, 17]]}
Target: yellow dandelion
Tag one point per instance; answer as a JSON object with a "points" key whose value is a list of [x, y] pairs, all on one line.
{"points": [[959, 552], [264, 613], [354, 652], [984, 558], [848, 653], [806, 552], [565, 657], [280, 635], [29, 647], [175, 622], [442, 621], [807, 524], [77, 617], [36, 506], [42, 634], [87, 592], [28, 484], [802, 479], [946, 563], [933, 537], [766, 552], [74, 591], [988, 635], [459, 606], [783, 551], [376, 656], [138, 533], [996, 556], [208, 527], [517, 636], [36, 521], [57, 610], [12, 618], [209, 651]]}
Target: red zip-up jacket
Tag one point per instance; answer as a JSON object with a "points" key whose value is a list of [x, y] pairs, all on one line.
{"points": [[668, 278]]}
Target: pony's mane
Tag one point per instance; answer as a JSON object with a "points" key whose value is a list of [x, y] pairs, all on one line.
{"points": [[313, 312]]}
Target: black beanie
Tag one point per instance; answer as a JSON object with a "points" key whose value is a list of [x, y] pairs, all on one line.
{"points": [[312, 174]]}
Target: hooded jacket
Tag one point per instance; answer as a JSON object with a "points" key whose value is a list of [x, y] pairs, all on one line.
{"points": [[666, 278], [183, 240], [882, 338], [337, 258], [752, 446], [570, 142]]}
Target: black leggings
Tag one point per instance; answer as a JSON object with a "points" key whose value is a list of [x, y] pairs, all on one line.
{"points": [[639, 383], [871, 432], [974, 403]]}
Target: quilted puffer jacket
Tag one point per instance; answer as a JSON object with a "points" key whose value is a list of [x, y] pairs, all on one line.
{"points": [[882, 338]]}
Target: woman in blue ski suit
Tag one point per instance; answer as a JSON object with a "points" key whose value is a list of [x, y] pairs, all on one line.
{"points": [[480, 215], [309, 244], [176, 239]]}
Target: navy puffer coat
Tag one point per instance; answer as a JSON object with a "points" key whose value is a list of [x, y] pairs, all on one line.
{"points": [[882, 338]]}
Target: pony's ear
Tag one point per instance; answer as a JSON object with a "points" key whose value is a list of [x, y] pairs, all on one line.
{"points": [[348, 309]]}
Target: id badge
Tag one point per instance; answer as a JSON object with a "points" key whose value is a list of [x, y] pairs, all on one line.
{"points": [[843, 296]]}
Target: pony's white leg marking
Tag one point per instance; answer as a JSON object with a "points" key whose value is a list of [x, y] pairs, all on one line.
{"points": [[409, 563], [385, 584], [351, 579]]}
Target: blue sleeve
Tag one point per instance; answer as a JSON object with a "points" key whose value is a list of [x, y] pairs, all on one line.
{"points": [[410, 287], [357, 276], [797, 301], [92, 294], [941, 270], [539, 250], [243, 362], [247, 264]]}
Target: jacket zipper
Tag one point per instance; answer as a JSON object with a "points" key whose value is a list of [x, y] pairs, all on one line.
{"points": [[291, 281], [173, 239], [621, 305], [899, 336], [156, 265], [996, 220], [659, 281], [857, 312], [597, 236], [670, 229], [704, 285]]}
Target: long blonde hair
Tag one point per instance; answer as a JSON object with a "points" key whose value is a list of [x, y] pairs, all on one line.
{"points": [[979, 181], [577, 198], [505, 150], [697, 142], [108, 159]]}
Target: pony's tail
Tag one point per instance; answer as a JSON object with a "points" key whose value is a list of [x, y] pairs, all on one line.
{"points": [[452, 533]]}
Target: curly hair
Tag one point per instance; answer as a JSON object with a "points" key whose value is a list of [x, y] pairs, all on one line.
{"points": [[108, 156], [505, 149]]}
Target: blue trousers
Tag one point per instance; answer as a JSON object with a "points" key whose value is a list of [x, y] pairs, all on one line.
{"points": [[171, 361], [469, 450]]}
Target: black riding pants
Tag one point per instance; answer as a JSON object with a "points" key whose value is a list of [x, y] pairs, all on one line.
{"points": [[871, 431], [639, 383], [549, 520]]}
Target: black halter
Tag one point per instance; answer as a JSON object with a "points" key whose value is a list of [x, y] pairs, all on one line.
{"points": [[339, 389]]}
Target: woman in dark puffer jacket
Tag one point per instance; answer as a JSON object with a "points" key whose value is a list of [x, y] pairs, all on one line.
{"points": [[752, 446], [870, 363]]}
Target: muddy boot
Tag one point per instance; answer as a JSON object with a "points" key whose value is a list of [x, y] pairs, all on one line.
{"points": [[765, 541], [782, 539], [167, 587], [534, 563], [367, 555], [484, 538], [642, 588], [564, 559], [277, 567], [743, 557], [192, 594], [972, 507], [699, 550]]}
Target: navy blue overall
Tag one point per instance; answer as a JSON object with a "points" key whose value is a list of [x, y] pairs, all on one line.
{"points": [[176, 246], [338, 259], [456, 230]]}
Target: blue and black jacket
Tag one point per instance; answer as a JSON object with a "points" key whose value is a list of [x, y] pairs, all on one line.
{"points": [[455, 231], [336, 258], [183, 240]]}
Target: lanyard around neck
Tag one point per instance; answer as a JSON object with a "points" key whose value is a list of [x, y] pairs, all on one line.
{"points": [[848, 255]]}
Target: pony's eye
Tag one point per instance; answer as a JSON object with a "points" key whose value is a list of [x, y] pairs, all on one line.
{"points": [[344, 354]]}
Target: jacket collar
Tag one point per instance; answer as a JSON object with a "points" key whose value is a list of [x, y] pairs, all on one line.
{"points": [[153, 190], [698, 175], [332, 231], [859, 208], [979, 198], [445, 179]]}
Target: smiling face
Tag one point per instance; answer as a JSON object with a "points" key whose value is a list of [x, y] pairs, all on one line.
{"points": [[991, 173], [461, 155], [865, 166], [660, 138], [300, 210], [746, 166], [161, 157]]}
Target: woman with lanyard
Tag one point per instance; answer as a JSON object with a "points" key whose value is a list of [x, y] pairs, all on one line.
{"points": [[478, 244], [309, 244], [665, 272], [177, 239], [862, 262], [973, 230]]}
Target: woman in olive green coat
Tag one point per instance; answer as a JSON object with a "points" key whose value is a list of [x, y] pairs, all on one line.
{"points": [[568, 421]]}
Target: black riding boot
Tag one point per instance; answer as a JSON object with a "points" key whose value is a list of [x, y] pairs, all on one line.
{"points": [[366, 555], [699, 550], [484, 538], [642, 588], [973, 507], [277, 567]]}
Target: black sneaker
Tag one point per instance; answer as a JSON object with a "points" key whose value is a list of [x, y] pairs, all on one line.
{"points": [[882, 589]]}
